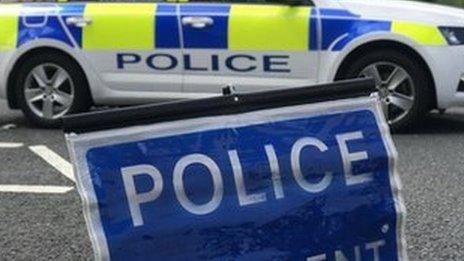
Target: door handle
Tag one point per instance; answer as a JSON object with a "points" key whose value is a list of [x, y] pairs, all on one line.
{"points": [[78, 21], [197, 22]]}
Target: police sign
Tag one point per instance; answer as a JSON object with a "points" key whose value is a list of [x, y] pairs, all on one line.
{"points": [[307, 181]]}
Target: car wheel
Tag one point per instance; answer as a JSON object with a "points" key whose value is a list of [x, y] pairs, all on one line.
{"points": [[402, 83], [49, 86]]}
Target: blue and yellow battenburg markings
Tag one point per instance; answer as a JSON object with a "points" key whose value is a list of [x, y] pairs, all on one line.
{"points": [[120, 26], [340, 27], [166, 27], [265, 27], [211, 37], [237, 27], [40, 22], [9, 16], [421, 33], [70, 10]]}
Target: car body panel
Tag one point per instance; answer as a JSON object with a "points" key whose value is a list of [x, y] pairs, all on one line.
{"points": [[143, 52], [247, 47], [414, 11]]}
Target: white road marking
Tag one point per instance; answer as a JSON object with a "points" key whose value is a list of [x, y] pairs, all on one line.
{"points": [[55, 160], [35, 189], [10, 145], [8, 126]]}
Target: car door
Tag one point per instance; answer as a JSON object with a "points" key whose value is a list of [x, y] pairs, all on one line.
{"points": [[134, 47], [250, 45]]}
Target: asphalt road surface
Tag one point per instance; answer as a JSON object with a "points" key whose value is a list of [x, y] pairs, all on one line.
{"points": [[42, 219]]}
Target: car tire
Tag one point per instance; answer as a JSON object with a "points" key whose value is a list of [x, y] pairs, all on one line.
{"points": [[50, 85], [418, 80]]}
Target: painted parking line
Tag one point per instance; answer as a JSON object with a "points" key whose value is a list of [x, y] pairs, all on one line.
{"points": [[55, 160], [10, 145], [52, 158], [37, 189]]}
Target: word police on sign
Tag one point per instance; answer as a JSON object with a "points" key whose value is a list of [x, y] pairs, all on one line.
{"points": [[244, 198], [258, 179]]}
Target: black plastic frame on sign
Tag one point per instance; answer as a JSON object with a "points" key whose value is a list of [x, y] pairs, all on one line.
{"points": [[221, 105]]}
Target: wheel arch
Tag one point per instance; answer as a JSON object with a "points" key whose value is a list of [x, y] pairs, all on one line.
{"points": [[384, 44], [10, 84]]}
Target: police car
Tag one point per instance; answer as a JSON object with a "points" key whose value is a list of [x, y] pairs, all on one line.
{"points": [[57, 59]]}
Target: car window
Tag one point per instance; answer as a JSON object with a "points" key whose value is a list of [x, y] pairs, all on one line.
{"points": [[301, 2], [283, 2]]}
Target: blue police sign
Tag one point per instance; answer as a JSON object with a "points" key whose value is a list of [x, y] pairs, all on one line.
{"points": [[303, 182]]}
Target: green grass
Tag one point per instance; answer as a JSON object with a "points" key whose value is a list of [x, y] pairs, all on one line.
{"points": [[458, 3]]}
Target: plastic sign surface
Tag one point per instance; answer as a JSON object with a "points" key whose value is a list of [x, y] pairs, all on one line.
{"points": [[307, 182]]}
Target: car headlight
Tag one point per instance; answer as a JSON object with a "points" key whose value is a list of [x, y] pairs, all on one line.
{"points": [[453, 35]]}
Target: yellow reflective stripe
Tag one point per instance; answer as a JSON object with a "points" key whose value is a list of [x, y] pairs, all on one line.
{"points": [[264, 27], [421, 33], [9, 18], [120, 26]]}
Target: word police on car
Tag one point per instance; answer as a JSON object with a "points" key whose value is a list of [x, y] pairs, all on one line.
{"points": [[166, 62]]}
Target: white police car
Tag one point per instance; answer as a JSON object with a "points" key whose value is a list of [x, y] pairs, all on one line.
{"points": [[57, 59]]}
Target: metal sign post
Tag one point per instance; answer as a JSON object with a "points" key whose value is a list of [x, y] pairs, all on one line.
{"points": [[299, 174]]}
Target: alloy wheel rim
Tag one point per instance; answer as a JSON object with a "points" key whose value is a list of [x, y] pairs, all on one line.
{"points": [[49, 91], [395, 87]]}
